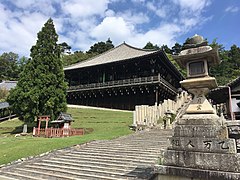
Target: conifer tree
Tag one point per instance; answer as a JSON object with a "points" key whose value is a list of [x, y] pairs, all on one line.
{"points": [[101, 47], [41, 89]]}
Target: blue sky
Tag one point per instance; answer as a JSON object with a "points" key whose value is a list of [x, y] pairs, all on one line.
{"points": [[81, 23]]}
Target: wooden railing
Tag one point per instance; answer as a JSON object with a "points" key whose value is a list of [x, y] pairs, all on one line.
{"points": [[125, 82], [57, 132]]}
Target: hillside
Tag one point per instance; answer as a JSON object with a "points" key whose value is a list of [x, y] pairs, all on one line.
{"points": [[99, 124]]}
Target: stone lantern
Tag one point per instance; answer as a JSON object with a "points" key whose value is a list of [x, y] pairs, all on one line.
{"points": [[168, 116], [196, 57], [200, 146]]}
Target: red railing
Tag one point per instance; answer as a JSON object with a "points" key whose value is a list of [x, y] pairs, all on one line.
{"points": [[57, 132]]}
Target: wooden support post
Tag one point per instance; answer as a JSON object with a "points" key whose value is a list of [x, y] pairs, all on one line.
{"points": [[39, 126]]}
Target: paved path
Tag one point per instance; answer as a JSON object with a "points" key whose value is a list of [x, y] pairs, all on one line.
{"points": [[128, 157]]}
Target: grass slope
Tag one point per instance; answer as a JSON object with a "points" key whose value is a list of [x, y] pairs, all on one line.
{"points": [[99, 124]]}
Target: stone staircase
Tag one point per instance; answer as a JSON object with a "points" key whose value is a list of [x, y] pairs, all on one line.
{"points": [[128, 157]]}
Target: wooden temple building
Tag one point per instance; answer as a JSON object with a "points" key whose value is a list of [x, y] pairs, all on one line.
{"points": [[123, 77], [227, 98]]}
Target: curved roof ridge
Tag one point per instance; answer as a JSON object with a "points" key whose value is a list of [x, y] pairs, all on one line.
{"points": [[140, 49], [121, 52], [97, 55]]}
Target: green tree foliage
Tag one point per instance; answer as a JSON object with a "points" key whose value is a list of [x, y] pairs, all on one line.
{"points": [[21, 64], [176, 49], [166, 49], [11, 66], [222, 72], [8, 66], [228, 69], [182, 71], [149, 45], [41, 89], [94, 50], [100, 47], [65, 48], [234, 59], [76, 57]]}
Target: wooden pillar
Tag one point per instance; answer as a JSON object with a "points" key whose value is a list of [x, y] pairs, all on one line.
{"points": [[39, 125], [46, 124]]}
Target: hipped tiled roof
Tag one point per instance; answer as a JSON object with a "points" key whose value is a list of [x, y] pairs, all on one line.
{"points": [[119, 53]]}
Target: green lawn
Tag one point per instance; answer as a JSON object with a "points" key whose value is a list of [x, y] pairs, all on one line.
{"points": [[99, 124]]}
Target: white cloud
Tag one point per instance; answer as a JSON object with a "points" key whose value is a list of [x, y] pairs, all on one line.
{"points": [[119, 30], [232, 9], [43, 6], [24, 4], [159, 9], [82, 23], [109, 12], [19, 31], [134, 18], [138, 1], [164, 34], [87, 24], [114, 27], [193, 5], [83, 8]]}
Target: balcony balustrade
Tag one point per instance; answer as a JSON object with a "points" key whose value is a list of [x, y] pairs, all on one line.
{"points": [[124, 83]]}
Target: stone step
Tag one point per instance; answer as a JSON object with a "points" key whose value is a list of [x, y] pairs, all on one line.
{"points": [[100, 158], [73, 171], [134, 145], [121, 150], [103, 162], [90, 163], [50, 174], [156, 137], [114, 169], [42, 174], [2, 177], [19, 175], [117, 153], [129, 157], [128, 143], [111, 155]]}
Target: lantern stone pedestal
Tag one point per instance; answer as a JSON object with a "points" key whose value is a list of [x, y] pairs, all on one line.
{"points": [[200, 147]]}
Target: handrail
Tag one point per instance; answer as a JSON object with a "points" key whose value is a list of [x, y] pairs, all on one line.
{"points": [[124, 82]]}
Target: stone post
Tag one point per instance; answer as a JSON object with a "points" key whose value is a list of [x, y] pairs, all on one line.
{"points": [[135, 118], [24, 128]]}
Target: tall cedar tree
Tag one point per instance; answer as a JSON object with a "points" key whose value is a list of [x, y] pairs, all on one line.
{"points": [[41, 89]]}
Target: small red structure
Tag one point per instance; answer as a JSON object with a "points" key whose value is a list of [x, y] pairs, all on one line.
{"points": [[61, 127]]}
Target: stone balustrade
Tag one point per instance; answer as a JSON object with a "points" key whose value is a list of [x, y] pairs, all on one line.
{"points": [[145, 115]]}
